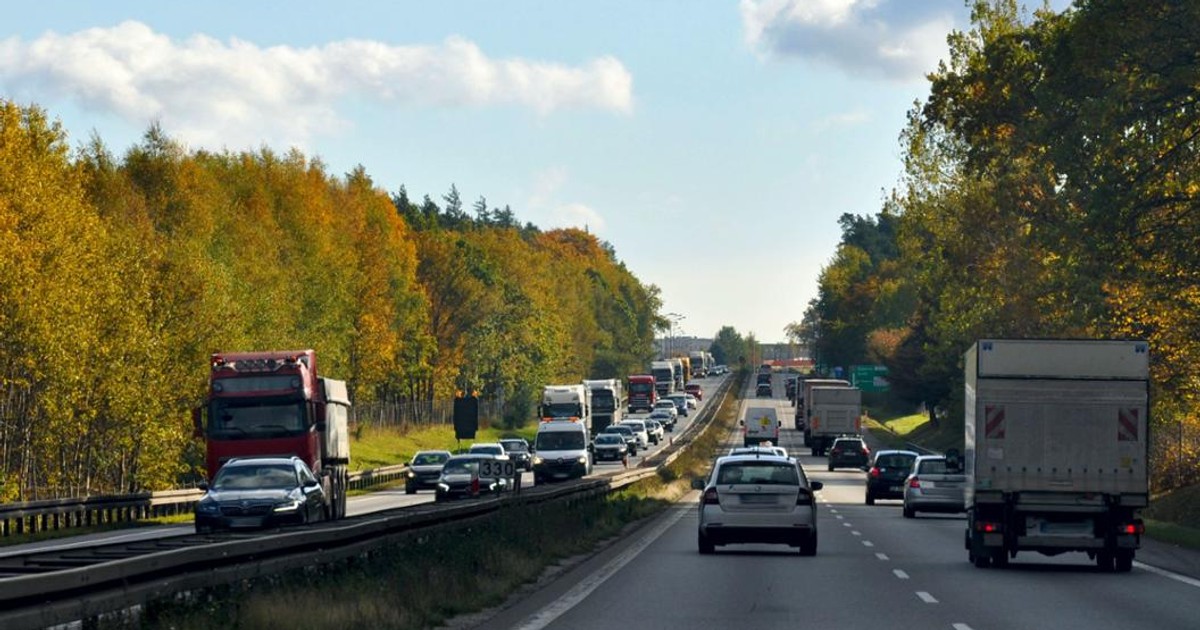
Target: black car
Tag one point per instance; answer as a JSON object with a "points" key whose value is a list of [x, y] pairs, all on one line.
{"points": [[424, 470], [609, 447], [518, 452], [885, 477], [763, 390], [626, 433], [460, 478], [848, 451], [256, 492]]}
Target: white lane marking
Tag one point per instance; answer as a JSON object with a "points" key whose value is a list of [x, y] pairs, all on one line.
{"points": [[867, 543], [855, 532], [839, 517], [584, 588], [926, 597], [833, 511], [1168, 574], [900, 574], [848, 524], [961, 626], [882, 556]]}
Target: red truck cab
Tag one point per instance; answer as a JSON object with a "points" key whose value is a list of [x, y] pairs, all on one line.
{"points": [[642, 394]]}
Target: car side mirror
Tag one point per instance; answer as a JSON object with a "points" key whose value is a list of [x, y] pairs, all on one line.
{"points": [[698, 483], [202, 486], [815, 485], [311, 483]]}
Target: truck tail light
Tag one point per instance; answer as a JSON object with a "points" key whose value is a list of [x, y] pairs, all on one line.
{"points": [[987, 527], [710, 497], [1135, 528]]}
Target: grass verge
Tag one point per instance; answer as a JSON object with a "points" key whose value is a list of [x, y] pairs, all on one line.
{"points": [[430, 576]]}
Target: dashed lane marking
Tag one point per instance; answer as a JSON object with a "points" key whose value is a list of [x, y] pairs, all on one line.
{"points": [[926, 597], [961, 626], [882, 556], [867, 543], [855, 532], [900, 574], [848, 524]]}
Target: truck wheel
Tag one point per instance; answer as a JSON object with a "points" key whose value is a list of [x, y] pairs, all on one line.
{"points": [[870, 498], [1124, 560], [980, 561], [1104, 561]]}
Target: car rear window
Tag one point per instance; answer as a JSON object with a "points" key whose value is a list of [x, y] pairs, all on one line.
{"points": [[933, 467], [895, 461], [763, 473]]}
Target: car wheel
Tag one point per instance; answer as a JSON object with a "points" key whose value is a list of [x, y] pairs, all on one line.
{"points": [[831, 467], [410, 488], [1000, 558], [870, 498], [909, 512], [704, 544], [808, 547], [1104, 561]]}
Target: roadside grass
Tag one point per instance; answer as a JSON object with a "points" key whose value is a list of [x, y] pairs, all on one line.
{"points": [[1174, 517], [1174, 533], [429, 577], [373, 447]]}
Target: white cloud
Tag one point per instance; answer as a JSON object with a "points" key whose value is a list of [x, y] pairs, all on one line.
{"points": [[550, 212], [208, 91], [901, 40]]}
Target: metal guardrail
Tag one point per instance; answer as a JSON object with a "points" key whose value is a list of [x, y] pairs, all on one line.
{"points": [[124, 577], [54, 514]]}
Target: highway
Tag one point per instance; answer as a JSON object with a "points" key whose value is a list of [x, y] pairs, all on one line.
{"points": [[359, 505], [874, 570]]}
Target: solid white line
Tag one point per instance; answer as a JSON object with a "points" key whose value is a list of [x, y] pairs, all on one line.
{"points": [[584, 588], [900, 574], [867, 543], [926, 597], [1168, 574], [856, 532], [961, 626], [882, 556]]}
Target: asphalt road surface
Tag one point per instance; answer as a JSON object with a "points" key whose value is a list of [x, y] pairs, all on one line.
{"points": [[874, 570]]}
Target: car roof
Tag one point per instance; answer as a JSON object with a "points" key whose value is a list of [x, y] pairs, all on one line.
{"points": [[260, 461], [487, 444], [516, 439], [848, 437], [925, 458], [757, 457], [896, 451], [432, 452], [471, 457], [618, 426]]}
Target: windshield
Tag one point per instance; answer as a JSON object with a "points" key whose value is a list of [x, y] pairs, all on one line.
{"points": [[562, 410], [602, 400], [559, 441], [610, 439], [641, 388], [429, 459], [461, 467], [895, 461], [621, 430], [761, 473], [516, 446], [255, 477], [256, 418]]}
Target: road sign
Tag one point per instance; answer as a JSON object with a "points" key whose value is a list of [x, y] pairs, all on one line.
{"points": [[497, 469], [869, 378]]}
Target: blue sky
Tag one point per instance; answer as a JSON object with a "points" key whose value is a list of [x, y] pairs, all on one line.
{"points": [[714, 144]]}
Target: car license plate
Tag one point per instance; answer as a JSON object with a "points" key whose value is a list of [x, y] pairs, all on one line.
{"points": [[758, 499], [895, 488], [245, 521]]}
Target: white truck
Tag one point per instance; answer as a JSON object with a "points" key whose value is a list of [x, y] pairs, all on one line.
{"points": [[834, 411], [700, 363], [563, 440], [680, 372], [608, 402], [760, 424], [1055, 449], [664, 377], [803, 411]]}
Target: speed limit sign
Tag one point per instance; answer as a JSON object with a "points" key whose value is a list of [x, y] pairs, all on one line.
{"points": [[497, 469]]}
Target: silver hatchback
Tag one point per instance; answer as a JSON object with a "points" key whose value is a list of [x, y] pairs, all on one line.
{"points": [[758, 499], [933, 486]]}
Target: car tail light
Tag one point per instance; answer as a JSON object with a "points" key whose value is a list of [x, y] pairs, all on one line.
{"points": [[710, 497], [835, 452], [874, 472], [804, 497], [866, 451], [914, 483]]}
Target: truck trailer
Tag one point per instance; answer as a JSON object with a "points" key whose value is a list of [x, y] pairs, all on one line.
{"points": [[803, 411], [1055, 451], [835, 411], [272, 404]]}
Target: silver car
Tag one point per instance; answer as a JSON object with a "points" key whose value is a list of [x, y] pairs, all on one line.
{"points": [[758, 499], [933, 487]]}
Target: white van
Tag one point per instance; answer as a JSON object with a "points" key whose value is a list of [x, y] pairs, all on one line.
{"points": [[561, 451], [642, 433], [760, 424]]}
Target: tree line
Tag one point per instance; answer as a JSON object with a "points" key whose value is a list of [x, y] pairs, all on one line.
{"points": [[120, 275], [1051, 188]]}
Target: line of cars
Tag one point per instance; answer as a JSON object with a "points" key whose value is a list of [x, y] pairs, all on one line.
{"points": [[925, 483]]}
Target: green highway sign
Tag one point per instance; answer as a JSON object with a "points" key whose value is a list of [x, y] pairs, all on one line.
{"points": [[869, 378]]}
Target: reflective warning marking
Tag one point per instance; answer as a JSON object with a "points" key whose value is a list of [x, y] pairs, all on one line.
{"points": [[994, 422], [1127, 425]]}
